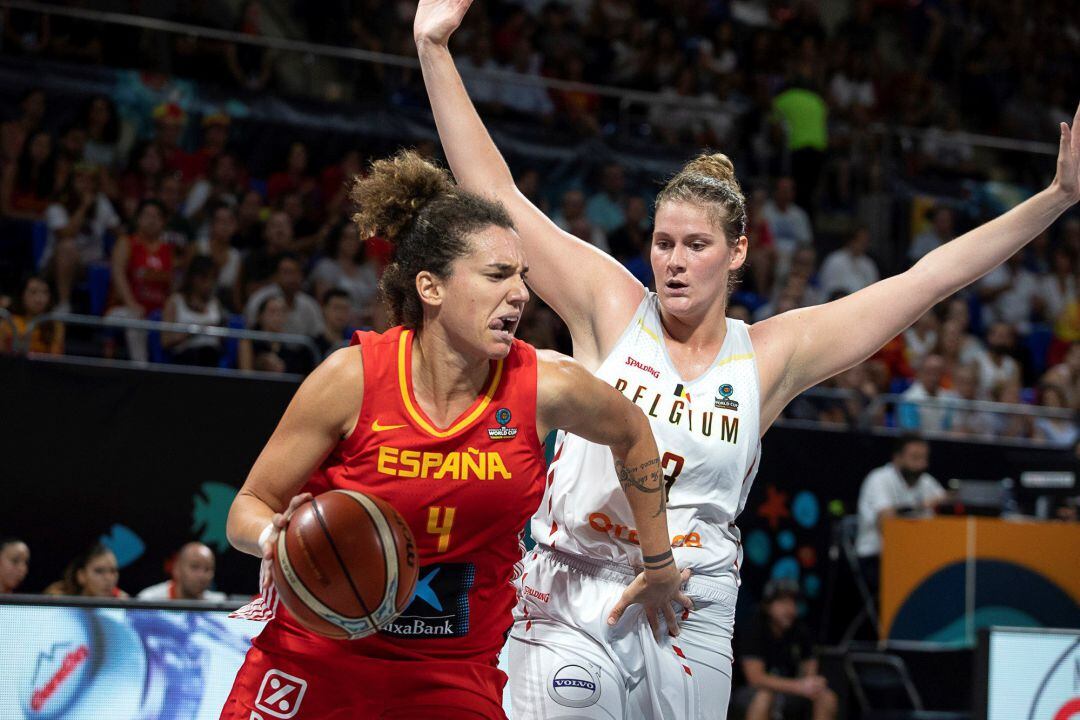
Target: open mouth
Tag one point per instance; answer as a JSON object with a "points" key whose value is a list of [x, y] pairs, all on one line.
{"points": [[675, 286], [504, 326]]}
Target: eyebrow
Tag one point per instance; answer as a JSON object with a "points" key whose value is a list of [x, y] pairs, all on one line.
{"points": [[506, 267]]}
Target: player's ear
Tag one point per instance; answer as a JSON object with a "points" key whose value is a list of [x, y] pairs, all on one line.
{"points": [[430, 288]]}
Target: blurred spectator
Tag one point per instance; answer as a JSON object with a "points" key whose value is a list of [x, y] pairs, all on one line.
{"points": [[26, 32], [33, 301], [805, 117], [273, 356], [14, 564], [30, 182], [102, 133], [1055, 432], [303, 316], [996, 367], [346, 267], [14, 133], [178, 229], [295, 177], [218, 247], [142, 273], [170, 120], [776, 653], [249, 221], [849, 269], [1058, 289], [192, 575], [571, 218], [93, 573], [335, 181], [215, 139], [579, 108], [922, 338], [250, 65], [789, 223], [1010, 293], [77, 221], [940, 232], [260, 264], [194, 304], [607, 208], [336, 311], [972, 423], [526, 100], [483, 90], [1007, 424], [221, 186], [915, 414], [901, 487], [142, 178]]}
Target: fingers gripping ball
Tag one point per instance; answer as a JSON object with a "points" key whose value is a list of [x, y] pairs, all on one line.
{"points": [[345, 565]]}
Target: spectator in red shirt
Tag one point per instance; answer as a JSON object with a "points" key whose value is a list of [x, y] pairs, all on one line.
{"points": [[142, 178], [142, 273], [215, 139], [93, 573], [295, 176], [334, 180]]}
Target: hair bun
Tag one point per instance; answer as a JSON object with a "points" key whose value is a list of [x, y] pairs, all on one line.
{"points": [[395, 191], [716, 165]]}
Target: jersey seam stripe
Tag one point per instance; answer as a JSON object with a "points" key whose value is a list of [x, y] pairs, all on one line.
{"points": [[417, 418], [337, 554], [734, 358]]}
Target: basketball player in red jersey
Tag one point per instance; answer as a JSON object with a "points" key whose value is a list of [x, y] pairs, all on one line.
{"points": [[443, 417]]}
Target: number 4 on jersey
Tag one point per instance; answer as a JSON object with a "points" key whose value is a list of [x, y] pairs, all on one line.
{"points": [[439, 522]]}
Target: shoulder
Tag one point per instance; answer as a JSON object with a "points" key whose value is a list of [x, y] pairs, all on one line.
{"points": [[155, 592], [878, 476]]}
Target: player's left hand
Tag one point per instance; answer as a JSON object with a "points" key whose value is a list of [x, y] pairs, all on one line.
{"points": [[1067, 178], [656, 591]]}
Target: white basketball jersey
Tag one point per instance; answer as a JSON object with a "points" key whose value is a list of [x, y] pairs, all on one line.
{"points": [[707, 432]]}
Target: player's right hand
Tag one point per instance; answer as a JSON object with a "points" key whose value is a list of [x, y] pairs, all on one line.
{"points": [[656, 591], [436, 20], [277, 524]]}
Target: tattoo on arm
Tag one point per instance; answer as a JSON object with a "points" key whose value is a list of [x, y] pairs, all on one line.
{"points": [[646, 478]]}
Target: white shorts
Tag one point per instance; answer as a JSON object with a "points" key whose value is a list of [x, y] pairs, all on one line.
{"points": [[565, 661]]}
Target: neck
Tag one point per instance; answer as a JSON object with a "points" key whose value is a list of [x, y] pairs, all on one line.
{"points": [[697, 334], [443, 375]]}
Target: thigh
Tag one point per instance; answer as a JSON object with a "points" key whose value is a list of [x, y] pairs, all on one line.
{"points": [[558, 672]]}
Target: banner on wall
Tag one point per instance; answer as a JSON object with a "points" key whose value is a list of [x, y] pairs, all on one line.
{"points": [[85, 663]]}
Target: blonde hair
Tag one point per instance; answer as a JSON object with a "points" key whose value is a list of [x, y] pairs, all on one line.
{"points": [[709, 180]]}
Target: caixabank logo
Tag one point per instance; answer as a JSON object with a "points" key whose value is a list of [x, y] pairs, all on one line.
{"points": [[1062, 680]]}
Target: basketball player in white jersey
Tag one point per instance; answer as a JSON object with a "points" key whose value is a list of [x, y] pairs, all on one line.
{"points": [[710, 386]]}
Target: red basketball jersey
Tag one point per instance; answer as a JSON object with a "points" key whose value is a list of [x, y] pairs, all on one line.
{"points": [[466, 491]]}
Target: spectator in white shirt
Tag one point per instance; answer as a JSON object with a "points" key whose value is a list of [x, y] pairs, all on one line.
{"points": [[942, 227], [849, 269], [901, 487], [927, 386], [523, 98], [77, 224], [484, 90], [192, 576], [996, 367], [1009, 293], [303, 314], [789, 223], [921, 338]]}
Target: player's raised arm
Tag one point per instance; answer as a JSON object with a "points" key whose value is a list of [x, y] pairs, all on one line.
{"points": [[570, 398], [577, 280], [801, 348], [319, 415]]}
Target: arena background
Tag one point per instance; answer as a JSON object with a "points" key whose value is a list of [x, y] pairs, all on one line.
{"points": [[148, 457]]}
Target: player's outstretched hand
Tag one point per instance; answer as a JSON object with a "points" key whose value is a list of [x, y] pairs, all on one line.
{"points": [[436, 20], [1067, 178], [656, 591], [277, 524]]}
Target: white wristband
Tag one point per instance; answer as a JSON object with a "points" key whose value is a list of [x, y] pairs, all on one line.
{"points": [[265, 534]]}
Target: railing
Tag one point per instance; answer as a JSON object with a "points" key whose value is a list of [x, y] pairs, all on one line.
{"points": [[870, 412], [625, 96], [112, 322]]}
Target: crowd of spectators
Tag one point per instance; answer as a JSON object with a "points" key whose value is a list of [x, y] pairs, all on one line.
{"points": [[186, 232]]}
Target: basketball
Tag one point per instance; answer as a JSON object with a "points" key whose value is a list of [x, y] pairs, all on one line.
{"points": [[345, 565]]}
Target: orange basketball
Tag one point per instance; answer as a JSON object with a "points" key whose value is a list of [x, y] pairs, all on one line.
{"points": [[345, 565]]}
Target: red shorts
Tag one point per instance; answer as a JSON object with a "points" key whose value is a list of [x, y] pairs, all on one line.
{"points": [[281, 681]]}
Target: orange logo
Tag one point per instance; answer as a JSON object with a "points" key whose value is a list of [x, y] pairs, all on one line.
{"points": [[376, 427], [601, 523]]}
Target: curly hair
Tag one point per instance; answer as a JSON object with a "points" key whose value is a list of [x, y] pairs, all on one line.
{"points": [[418, 208]]}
